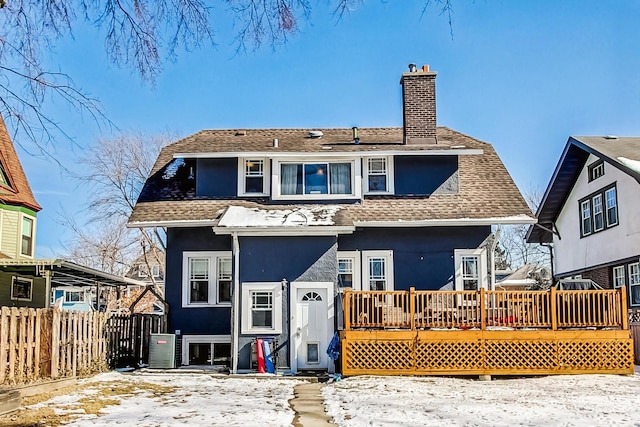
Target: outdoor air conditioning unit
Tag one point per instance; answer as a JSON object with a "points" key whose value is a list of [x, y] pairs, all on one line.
{"points": [[162, 351]]}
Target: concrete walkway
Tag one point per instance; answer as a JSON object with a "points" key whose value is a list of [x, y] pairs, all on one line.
{"points": [[309, 406]]}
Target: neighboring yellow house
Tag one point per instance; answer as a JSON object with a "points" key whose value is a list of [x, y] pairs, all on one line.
{"points": [[18, 210]]}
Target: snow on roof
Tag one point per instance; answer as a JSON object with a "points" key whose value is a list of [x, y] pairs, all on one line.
{"points": [[630, 163], [172, 168], [297, 216]]}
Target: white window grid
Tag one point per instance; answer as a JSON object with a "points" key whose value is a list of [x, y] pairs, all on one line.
{"points": [[618, 276], [598, 214], [611, 206], [210, 267], [586, 217]]}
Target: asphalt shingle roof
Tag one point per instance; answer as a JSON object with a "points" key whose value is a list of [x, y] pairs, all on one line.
{"points": [[486, 190]]}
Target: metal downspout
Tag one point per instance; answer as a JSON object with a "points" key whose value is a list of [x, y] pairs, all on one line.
{"points": [[493, 258], [236, 302]]}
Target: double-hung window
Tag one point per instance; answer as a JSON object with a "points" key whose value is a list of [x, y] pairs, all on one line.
{"points": [[634, 283], [377, 270], [618, 276], [598, 211], [262, 308], [252, 176], [207, 278], [471, 269], [378, 175], [26, 242], [349, 270]]}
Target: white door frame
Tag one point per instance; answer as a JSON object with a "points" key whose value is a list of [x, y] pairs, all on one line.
{"points": [[293, 295]]}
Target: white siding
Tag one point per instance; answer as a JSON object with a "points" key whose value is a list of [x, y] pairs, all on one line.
{"points": [[619, 242]]}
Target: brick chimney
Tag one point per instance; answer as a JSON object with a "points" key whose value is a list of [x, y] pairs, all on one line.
{"points": [[419, 105]]}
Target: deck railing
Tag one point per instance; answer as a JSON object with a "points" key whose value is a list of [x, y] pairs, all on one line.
{"points": [[552, 309]]}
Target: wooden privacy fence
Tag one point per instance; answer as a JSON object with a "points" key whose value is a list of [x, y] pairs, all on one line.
{"points": [[48, 343], [129, 335], [486, 332]]}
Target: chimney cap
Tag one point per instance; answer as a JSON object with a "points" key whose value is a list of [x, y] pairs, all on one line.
{"points": [[412, 68]]}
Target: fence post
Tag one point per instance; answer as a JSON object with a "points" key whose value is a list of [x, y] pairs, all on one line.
{"points": [[483, 309], [412, 307], [347, 309], [554, 309], [55, 343], [623, 306], [4, 342]]}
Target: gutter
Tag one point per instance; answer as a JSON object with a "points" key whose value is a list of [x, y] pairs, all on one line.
{"points": [[236, 301]]}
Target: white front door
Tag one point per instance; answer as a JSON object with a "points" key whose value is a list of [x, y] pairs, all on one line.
{"points": [[311, 324]]}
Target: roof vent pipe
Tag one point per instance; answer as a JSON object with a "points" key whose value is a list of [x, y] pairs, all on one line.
{"points": [[275, 142], [412, 68], [356, 140]]}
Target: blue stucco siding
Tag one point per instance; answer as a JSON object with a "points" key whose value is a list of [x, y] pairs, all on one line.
{"points": [[425, 175], [193, 321], [217, 177], [422, 257]]}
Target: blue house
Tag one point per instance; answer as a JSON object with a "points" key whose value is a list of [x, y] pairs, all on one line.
{"points": [[265, 227]]}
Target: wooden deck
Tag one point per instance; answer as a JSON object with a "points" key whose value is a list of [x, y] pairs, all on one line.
{"points": [[486, 333]]}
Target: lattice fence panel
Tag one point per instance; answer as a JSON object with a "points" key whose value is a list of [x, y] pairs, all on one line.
{"points": [[594, 355], [448, 355], [517, 354], [387, 355]]}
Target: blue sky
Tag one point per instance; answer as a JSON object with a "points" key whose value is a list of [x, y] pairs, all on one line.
{"points": [[522, 75]]}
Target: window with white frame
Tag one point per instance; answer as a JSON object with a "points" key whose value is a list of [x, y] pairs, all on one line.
{"points": [[207, 278], [634, 283], [599, 211], [596, 170], [349, 270], [73, 296], [612, 206], [252, 179], [21, 289], [377, 271], [470, 269], [262, 308], [206, 350], [618, 276], [378, 175], [333, 179], [26, 241]]}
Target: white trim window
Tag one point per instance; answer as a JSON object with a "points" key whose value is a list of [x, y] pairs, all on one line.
{"points": [[349, 270], [318, 179], [252, 177], [377, 271], [262, 308], [586, 217], [207, 278], [21, 289], [206, 350], [634, 284], [378, 175], [611, 201], [470, 269], [598, 213], [73, 296], [27, 236], [618, 276]]}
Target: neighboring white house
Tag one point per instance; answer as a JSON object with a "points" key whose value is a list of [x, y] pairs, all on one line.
{"points": [[591, 213]]}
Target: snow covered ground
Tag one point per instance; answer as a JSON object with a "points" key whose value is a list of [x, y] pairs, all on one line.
{"points": [[175, 398], [572, 400]]}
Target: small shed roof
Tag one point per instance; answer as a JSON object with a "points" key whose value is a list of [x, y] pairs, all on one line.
{"points": [[65, 273]]}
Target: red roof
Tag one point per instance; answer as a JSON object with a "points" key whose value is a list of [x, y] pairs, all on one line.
{"points": [[17, 192]]}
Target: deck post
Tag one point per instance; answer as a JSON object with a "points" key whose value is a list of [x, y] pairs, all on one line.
{"points": [[412, 308], [347, 309], [554, 309], [623, 306], [483, 310]]}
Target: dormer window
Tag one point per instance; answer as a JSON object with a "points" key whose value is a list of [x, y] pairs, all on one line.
{"points": [[596, 170], [252, 179], [378, 175], [316, 180]]}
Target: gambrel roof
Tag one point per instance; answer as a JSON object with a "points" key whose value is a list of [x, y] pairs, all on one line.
{"points": [[487, 193], [14, 187], [621, 152]]}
